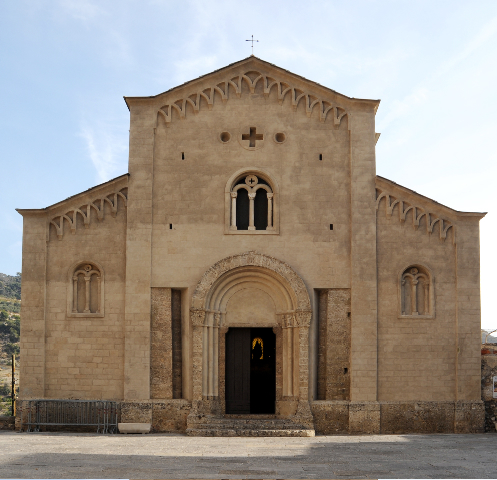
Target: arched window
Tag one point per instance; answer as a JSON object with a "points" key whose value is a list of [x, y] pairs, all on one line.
{"points": [[86, 290], [251, 204], [416, 292]]}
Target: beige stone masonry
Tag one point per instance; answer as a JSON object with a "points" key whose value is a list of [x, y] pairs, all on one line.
{"points": [[252, 201]]}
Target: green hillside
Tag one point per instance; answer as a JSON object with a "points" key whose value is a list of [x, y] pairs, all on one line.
{"points": [[10, 287], [10, 322]]}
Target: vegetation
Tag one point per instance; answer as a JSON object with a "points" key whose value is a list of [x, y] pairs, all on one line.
{"points": [[8, 305], [5, 399], [10, 287], [10, 324]]}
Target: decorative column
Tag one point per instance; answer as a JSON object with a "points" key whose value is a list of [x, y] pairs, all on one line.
{"points": [[197, 318], [75, 294], [210, 352], [87, 298], [414, 309], [233, 211], [215, 366], [288, 354], [99, 306], [210, 366], [270, 211], [427, 298], [205, 344], [403, 297], [251, 211], [303, 409]]}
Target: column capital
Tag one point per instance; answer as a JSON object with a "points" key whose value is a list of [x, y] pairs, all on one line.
{"points": [[197, 317], [234, 194]]}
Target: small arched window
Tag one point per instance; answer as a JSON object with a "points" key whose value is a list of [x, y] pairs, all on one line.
{"points": [[251, 203], [416, 293], [86, 291]]}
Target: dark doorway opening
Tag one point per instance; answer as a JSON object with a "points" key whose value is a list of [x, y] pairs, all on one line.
{"points": [[250, 371]]}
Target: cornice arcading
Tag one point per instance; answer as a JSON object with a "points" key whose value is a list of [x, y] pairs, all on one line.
{"points": [[418, 213], [222, 90], [58, 220]]}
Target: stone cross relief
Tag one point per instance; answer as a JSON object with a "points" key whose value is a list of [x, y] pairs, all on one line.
{"points": [[253, 136]]}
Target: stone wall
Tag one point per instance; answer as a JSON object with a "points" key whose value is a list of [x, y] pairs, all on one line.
{"points": [[164, 415], [7, 422], [431, 357], [334, 344], [488, 371], [161, 355], [339, 417], [79, 355]]}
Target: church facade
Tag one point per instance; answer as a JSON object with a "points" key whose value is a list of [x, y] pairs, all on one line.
{"points": [[252, 274]]}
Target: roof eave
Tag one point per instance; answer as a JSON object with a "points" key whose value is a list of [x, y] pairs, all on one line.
{"points": [[479, 215], [375, 103], [23, 211]]}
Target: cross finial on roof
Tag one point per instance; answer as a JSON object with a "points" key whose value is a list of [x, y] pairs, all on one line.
{"points": [[252, 44]]}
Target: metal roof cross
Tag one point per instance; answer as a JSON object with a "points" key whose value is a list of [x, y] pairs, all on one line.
{"points": [[252, 44]]}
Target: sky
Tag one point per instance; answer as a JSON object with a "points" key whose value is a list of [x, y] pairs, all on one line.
{"points": [[65, 66]]}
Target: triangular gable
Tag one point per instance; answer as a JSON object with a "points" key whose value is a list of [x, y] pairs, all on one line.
{"points": [[89, 204], [410, 204], [227, 82]]}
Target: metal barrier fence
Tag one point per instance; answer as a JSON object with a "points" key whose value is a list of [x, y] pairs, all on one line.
{"points": [[100, 414]]}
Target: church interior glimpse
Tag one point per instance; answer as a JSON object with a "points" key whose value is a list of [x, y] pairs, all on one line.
{"points": [[250, 371]]}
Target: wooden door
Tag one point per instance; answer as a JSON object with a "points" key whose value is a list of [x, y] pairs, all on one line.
{"points": [[238, 370]]}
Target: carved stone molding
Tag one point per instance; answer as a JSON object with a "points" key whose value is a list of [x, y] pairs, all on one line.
{"points": [[85, 211], [304, 319], [197, 317], [418, 213], [223, 90], [251, 258]]}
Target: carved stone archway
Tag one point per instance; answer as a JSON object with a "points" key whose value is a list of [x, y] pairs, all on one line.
{"points": [[291, 320]]}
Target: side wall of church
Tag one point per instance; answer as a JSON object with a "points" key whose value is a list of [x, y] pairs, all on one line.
{"points": [[428, 359], [32, 341], [83, 355], [416, 357]]}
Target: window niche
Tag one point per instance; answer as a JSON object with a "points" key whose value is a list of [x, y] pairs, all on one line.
{"points": [[86, 290], [251, 203], [416, 291]]}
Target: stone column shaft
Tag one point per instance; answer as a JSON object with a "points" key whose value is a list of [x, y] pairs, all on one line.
{"points": [[270, 211], [251, 211], [87, 297], [233, 211]]}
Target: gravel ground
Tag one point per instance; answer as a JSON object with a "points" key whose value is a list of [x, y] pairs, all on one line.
{"points": [[70, 455]]}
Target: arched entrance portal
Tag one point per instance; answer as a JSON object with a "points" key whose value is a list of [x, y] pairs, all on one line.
{"points": [[247, 293], [250, 371]]}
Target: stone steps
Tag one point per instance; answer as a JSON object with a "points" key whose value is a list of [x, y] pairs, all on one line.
{"points": [[204, 432], [248, 426]]}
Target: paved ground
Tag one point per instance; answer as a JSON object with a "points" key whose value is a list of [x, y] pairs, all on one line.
{"points": [[66, 455]]}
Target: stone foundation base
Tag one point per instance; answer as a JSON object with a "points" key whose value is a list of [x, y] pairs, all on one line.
{"points": [[328, 418], [340, 417], [164, 415], [7, 422]]}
